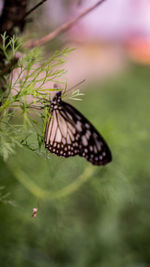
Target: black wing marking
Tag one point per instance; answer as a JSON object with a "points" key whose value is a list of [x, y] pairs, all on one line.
{"points": [[92, 145], [69, 133]]}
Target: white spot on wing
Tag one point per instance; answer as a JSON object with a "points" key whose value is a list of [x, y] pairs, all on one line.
{"points": [[77, 116], [84, 141], [79, 126], [68, 114], [88, 133], [95, 135], [91, 148], [98, 145], [87, 125]]}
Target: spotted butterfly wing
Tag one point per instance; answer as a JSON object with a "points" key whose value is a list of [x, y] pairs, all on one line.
{"points": [[69, 133]]}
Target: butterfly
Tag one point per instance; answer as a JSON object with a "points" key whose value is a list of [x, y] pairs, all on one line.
{"points": [[69, 133]]}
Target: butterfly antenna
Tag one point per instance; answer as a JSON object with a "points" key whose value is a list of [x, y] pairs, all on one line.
{"points": [[76, 85]]}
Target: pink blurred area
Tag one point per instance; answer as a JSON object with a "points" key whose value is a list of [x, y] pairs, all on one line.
{"points": [[107, 38], [115, 21]]}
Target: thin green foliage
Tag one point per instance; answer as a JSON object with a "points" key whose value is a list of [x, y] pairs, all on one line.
{"points": [[28, 86], [13, 43], [76, 95]]}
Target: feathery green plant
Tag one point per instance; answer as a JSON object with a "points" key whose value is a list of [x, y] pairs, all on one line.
{"points": [[27, 87]]}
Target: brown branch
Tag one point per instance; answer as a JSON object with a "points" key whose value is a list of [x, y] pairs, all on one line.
{"points": [[12, 15], [65, 27], [35, 7]]}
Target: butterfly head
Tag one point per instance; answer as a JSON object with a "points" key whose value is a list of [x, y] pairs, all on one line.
{"points": [[55, 103], [57, 97]]}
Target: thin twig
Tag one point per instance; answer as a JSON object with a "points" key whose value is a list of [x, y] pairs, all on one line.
{"points": [[65, 27], [33, 8], [74, 86]]}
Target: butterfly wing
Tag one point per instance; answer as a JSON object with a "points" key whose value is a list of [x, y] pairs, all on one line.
{"points": [[69, 133], [60, 135], [91, 144]]}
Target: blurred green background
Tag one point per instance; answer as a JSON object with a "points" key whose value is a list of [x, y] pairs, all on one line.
{"points": [[105, 220]]}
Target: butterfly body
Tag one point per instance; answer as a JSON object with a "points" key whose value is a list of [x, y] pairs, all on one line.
{"points": [[69, 133]]}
